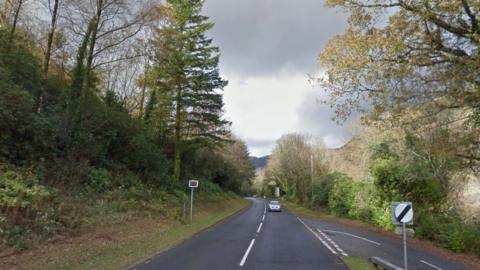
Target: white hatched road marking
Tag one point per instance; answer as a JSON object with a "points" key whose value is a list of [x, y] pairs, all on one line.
{"points": [[431, 265], [242, 262], [353, 235], [333, 243], [318, 237], [259, 227]]}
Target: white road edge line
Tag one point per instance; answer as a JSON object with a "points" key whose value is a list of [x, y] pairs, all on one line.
{"points": [[431, 265], [318, 237], [353, 235], [242, 262], [335, 245], [259, 227]]}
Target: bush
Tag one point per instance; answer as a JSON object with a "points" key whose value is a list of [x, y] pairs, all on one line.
{"points": [[25, 205], [388, 175], [209, 187], [361, 208], [381, 214], [98, 180], [321, 189], [20, 191], [342, 195], [450, 230]]}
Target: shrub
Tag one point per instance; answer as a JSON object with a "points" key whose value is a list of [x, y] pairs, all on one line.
{"points": [[361, 208], [321, 189], [342, 195], [397, 180], [98, 180], [23, 204], [381, 214], [388, 175], [20, 191], [209, 187], [450, 230]]}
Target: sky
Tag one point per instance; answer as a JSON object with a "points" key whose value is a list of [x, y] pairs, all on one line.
{"points": [[268, 49]]}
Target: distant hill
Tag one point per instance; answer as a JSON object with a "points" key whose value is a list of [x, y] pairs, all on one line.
{"points": [[260, 162]]}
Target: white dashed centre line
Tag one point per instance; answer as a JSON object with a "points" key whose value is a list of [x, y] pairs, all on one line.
{"points": [[263, 217], [259, 227], [242, 262], [431, 265]]}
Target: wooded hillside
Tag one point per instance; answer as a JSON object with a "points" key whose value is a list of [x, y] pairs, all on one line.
{"points": [[108, 100]]}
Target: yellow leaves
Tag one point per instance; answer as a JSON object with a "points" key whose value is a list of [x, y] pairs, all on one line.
{"points": [[334, 3]]}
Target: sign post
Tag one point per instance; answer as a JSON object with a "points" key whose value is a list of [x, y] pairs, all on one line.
{"points": [[402, 213], [192, 184]]}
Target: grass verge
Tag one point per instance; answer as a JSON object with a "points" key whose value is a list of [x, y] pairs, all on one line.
{"points": [[118, 245], [356, 263], [302, 211]]}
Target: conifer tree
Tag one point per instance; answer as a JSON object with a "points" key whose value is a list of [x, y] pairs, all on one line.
{"points": [[186, 70]]}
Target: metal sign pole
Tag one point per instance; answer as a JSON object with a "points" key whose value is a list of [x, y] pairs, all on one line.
{"points": [[191, 205], [405, 246], [402, 213]]}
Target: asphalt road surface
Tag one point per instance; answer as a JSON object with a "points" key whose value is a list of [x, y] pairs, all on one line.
{"points": [[361, 243], [251, 239], [257, 239]]}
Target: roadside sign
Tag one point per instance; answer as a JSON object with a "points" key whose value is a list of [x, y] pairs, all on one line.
{"points": [[193, 183], [402, 212]]}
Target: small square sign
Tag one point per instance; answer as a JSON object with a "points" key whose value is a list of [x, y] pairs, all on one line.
{"points": [[193, 183]]}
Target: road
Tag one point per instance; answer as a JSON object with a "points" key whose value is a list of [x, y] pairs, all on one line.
{"points": [[366, 244], [251, 239], [256, 239]]}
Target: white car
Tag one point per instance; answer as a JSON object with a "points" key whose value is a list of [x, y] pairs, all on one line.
{"points": [[274, 206]]}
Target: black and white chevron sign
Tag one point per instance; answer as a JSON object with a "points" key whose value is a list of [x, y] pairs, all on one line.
{"points": [[404, 212]]}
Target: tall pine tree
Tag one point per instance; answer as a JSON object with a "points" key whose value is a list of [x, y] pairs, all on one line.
{"points": [[186, 71]]}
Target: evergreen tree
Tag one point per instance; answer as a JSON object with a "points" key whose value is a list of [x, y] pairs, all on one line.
{"points": [[186, 70]]}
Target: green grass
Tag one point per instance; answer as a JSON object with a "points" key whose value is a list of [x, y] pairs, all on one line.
{"points": [[356, 263], [136, 250], [302, 211], [118, 245]]}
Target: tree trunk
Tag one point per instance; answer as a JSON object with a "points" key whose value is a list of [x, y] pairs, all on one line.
{"points": [[93, 40], [178, 129], [14, 24], [48, 53], [76, 87], [144, 89]]}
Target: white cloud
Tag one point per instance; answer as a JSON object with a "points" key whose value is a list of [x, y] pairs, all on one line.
{"points": [[264, 108]]}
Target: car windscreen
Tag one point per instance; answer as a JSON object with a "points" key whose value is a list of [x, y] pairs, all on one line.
{"points": [[273, 202]]}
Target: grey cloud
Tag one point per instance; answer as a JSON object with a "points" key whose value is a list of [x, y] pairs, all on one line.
{"points": [[266, 36], [316, 119]]}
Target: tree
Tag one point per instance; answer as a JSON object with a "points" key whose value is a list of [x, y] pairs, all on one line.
{"points": [[294, 164], [410, 61], [48, 52], [16, 7], [103, 26], [236, 154], [186, 70]]}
